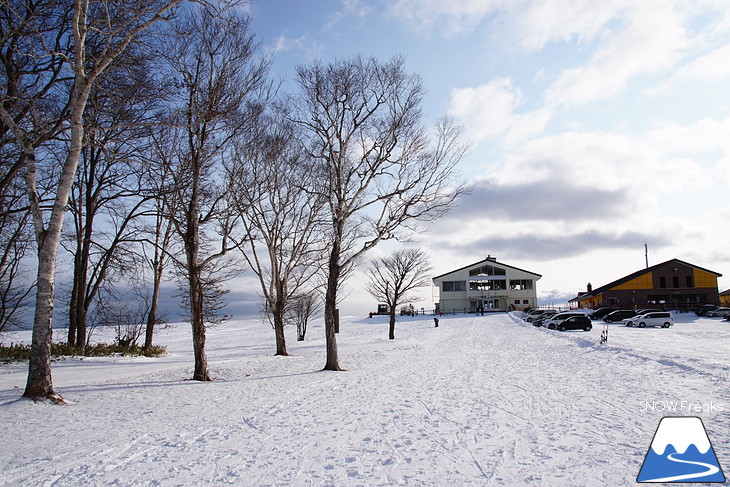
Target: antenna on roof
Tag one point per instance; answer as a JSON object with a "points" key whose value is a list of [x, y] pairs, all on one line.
{"points": [[646, 254]]}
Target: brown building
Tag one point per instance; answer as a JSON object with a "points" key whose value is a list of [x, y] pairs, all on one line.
{"points": [[725, 298], [672, 284]]}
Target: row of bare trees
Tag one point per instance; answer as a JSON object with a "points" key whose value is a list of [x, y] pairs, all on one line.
{"points": [[147, 140]]}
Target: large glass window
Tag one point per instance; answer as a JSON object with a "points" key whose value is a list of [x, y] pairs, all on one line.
{"points": [[520, 284], [452, 286], [488, 270], [488, 285]]}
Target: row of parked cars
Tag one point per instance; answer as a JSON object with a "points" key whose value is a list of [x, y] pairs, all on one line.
{"points": [[576, 320], [637, 317], [557, 320], [713, 311]]}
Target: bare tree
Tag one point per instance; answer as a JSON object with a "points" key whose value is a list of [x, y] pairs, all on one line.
{"points": [[219, 75], [392, 278], [283, 245], [97, 33], [382, 172], [34, 73], [14, 286], [111, 188], [162, 233], [301, 309]]}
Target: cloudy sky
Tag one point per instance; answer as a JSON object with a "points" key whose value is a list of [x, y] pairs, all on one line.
{"points": [[596, 127]]}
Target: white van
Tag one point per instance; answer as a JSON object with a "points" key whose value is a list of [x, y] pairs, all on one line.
{"points": [[655, 318]]}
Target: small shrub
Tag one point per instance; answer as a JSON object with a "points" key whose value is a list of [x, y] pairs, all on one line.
{"points": [[15, 353]]}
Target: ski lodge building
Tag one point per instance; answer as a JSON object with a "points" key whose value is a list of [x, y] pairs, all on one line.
{"points": [[486, 286], [673, 284]]}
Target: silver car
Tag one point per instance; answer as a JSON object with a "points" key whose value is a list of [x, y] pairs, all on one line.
{"points": [[655, 318]]}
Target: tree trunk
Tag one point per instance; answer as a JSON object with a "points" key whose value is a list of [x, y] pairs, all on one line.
{"points": [[198, 324], [39, 383], [330, 304], [279, 331], [152, 315], [391, 333], [72, 308], [192, 250]]}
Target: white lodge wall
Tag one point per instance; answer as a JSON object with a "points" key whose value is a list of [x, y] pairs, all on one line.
{"points": [[486, 286]]}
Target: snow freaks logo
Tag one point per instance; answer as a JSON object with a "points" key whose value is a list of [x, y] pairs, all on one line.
{"points": [[681, 452]]}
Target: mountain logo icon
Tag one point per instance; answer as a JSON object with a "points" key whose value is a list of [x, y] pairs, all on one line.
{"points": [[681, 452]]}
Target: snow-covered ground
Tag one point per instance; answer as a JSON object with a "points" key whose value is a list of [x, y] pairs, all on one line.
{"points": [[478, 401]]}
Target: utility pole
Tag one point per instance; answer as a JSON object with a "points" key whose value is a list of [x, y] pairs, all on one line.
{"points": [[646, 254]]}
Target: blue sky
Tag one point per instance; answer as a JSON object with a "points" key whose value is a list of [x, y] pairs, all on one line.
{"points": [[595, 126]]}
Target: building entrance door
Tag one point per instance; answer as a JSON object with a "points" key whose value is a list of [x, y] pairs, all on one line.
{"points": [[489, 304]]}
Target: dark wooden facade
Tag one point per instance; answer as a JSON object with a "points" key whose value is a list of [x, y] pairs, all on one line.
{"points": [[673, 284]]}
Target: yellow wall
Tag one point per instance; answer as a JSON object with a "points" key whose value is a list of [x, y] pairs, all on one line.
{"points": [[705, 279], [644, 281], [592, 302]]}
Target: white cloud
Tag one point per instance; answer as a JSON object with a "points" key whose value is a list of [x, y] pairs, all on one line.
{"points": [[450, 17], [490, 110], [712, 67], [648, 39], [350, 8], [536, 23], [622, 38], [309, 48]]}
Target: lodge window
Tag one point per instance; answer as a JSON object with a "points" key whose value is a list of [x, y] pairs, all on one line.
{"points": [[662, 282], [675, 281], [487, 285], [520, 284], [453, 286], [689, 281], [488, 270]]}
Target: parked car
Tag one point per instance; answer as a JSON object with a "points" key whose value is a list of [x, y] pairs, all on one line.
{"points": [[601, 312], [555, 319], [575, 323], [705, 308], [530, 311], [718, 312], [619, 315], [631, 321], [534, 314], [655, 318], [541, 318], [639, 312]]}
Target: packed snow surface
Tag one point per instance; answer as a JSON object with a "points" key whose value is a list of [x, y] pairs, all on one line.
{"points": [[478, 401]]}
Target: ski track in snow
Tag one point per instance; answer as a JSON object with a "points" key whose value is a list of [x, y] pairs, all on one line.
{"points": [[479, 401]]}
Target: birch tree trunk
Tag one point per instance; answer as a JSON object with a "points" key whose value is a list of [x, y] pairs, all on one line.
{"points": [[86, 68], [40, 384]]}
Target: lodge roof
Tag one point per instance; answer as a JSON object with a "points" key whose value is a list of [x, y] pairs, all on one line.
{"points": [[489, 259], [611, 285]]}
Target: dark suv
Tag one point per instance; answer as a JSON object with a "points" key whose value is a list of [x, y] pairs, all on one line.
{"points": [[575, 323], [601, 312], [619, 315]]}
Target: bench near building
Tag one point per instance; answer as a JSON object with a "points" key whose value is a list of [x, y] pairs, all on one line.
{"points": [[673, 284], [487, 285]]}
